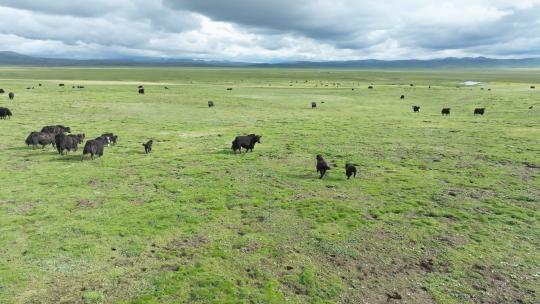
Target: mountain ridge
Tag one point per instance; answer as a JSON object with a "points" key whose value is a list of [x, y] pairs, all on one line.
{"points": [[8, 58]]}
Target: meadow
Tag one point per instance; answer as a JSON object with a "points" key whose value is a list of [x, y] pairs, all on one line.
{"points": [[443, 210]]}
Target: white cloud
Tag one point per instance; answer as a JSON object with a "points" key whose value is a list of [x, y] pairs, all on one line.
{"points": [[259, 30]]}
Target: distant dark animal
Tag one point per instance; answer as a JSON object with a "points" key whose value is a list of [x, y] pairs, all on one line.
{"points": [[5, 113], [479, 111], [445, 111], [39, 84], [370, 87], [229, 89], [533, 87], [350, 170], [412, 85], [402, 97], [73, 87], [416, 109], [68, 142], [322, 166], [531, 107], [247, 142], [141, 91], [94, 147], [166, 88], [29, 88], [210, 103], [80, 87], [111, 138], [352, 89], [148, 146], [61, 85], [11, 95], [140, 87], [482, 89], [58, 129], [429, 87], [2, 91], [489, 90], [313, 105]]}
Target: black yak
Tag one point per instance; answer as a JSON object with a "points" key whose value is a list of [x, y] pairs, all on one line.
{"points": [[141, 91], [479, 111], [2, 91], [445, 111], [210, 104], [40, 138], [68, 142], [5, 113], [313, 105], [350, 170], [247, 142], [58, 129], [111, 138], [94, 147], [416, 109], [370, 87], [322, 166], [402, 97], [148, 146], [11, 95]]}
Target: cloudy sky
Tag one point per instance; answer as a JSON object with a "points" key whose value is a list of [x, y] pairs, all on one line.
{"points": [[271, 30]]}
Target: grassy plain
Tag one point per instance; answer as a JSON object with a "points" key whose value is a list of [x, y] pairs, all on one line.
{"points": [[444, 210]]}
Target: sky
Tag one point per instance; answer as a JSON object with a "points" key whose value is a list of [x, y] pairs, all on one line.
{"points": [[271, 30]]}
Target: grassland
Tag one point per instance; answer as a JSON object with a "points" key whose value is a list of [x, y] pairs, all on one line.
{"points": [[444, 210]]}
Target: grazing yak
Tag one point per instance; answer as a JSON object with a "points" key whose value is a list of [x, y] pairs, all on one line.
{"points": [[322, 166], [229, 89], [210, 104], [445, 111], [416, 109], [58, 129], [402, 97], [313, 105], [148, 146], [350, 170], [94, 147], [5, 113], [533, 87], [68, 142], [247, 142], [370, 87], [141, 91], [40, 138], [2, 91], [61, 84], [11, 95], [479, 111]]}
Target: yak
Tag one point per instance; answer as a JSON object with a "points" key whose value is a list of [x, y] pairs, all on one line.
{"points": [[445, 111], [322, 166], [350, 170], [247, 142], [479, 111]]}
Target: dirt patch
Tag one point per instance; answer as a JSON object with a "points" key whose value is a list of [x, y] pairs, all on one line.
{"points": [[86, 203], [172, 268]]}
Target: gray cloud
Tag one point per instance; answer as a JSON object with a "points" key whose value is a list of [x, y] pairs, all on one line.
{"points": [[257, 30]]}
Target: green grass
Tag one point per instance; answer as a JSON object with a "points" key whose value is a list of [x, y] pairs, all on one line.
{"points": [[444, 210]]}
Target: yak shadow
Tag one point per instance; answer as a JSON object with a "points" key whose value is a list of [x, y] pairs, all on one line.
{"points": [[69, 158]]}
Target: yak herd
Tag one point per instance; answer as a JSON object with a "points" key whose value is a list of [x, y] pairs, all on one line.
{"points": [[60, 138]]}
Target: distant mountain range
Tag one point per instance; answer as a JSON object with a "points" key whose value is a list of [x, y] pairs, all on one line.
{"points": [[16, 59]]}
